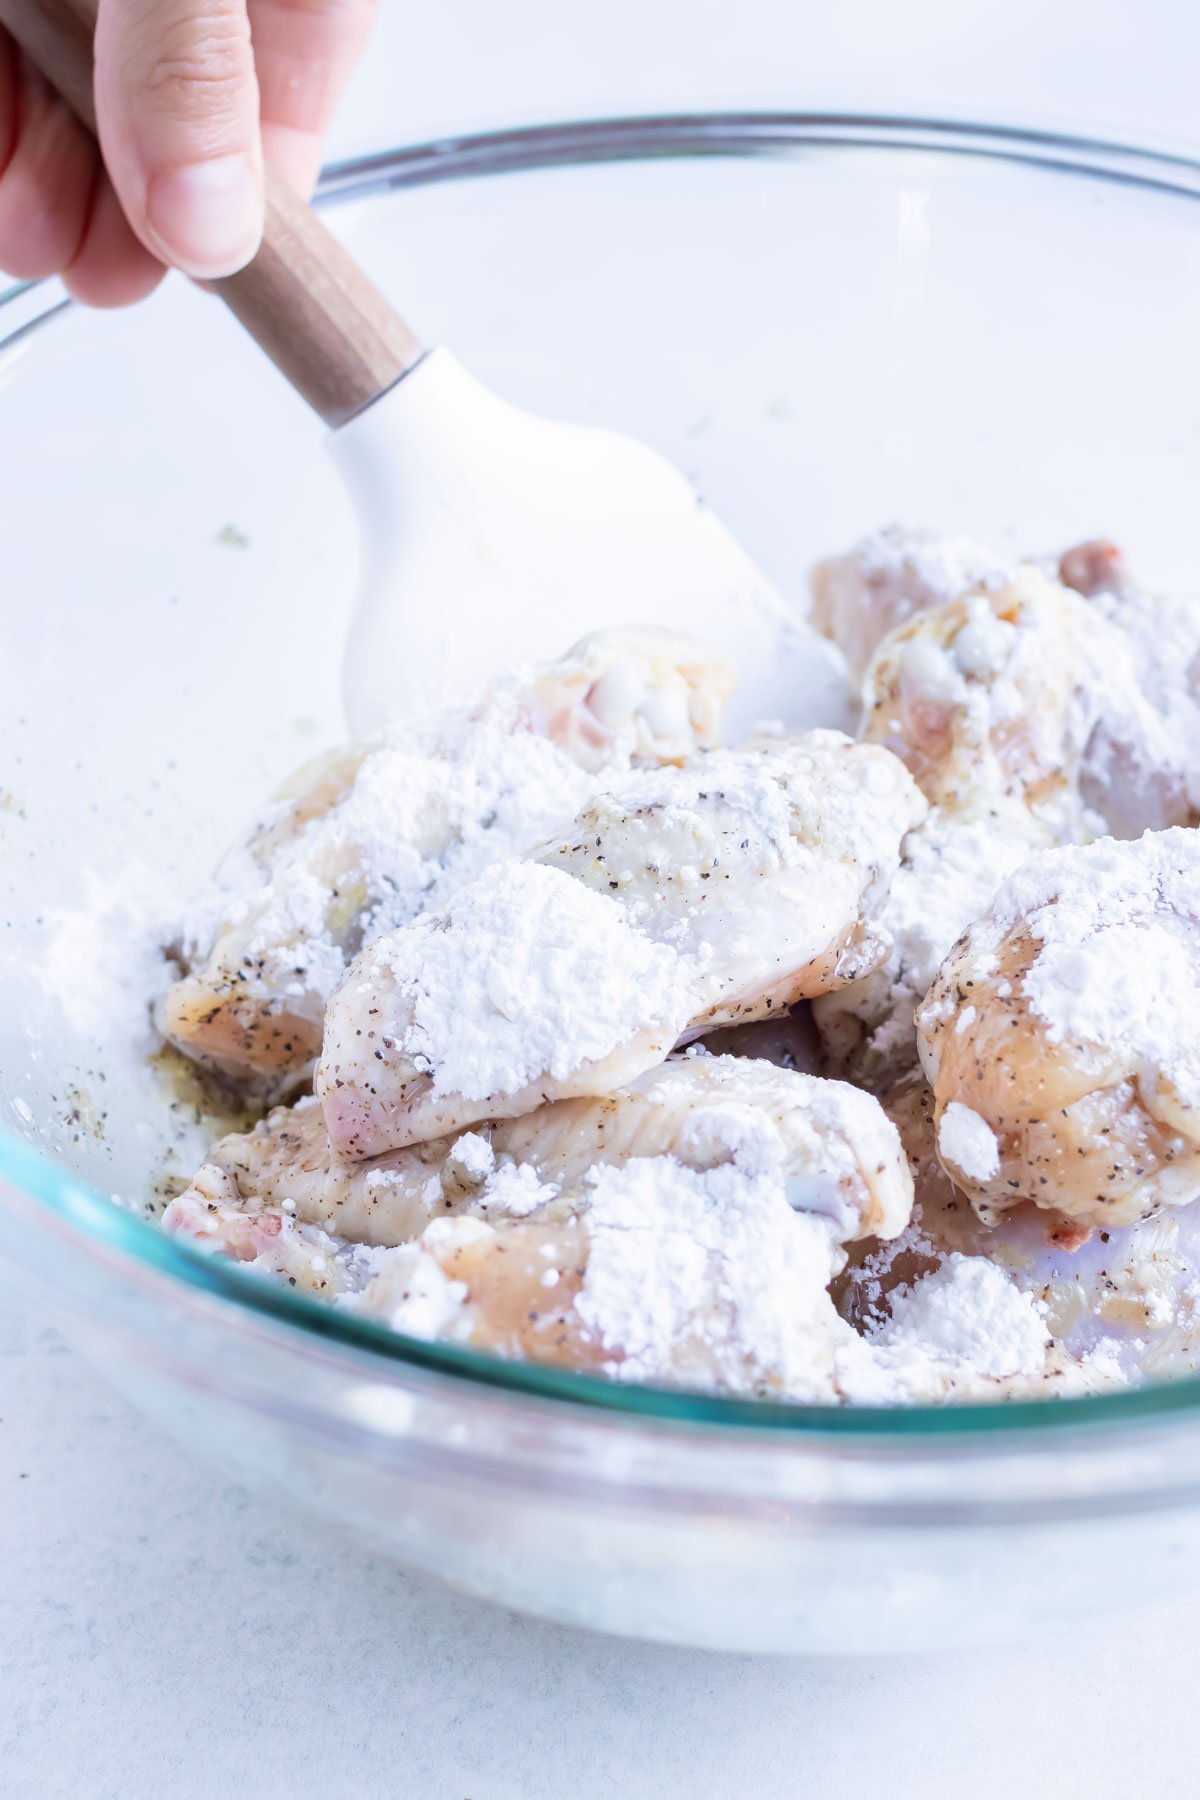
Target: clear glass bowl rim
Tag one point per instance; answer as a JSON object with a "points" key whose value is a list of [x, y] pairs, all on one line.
{"points": [[90, 1216]]}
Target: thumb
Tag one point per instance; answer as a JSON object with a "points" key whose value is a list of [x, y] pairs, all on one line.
{"points": [[177, 110]]}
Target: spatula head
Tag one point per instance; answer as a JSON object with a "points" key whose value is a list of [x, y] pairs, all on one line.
{"points": [[491, 536]]}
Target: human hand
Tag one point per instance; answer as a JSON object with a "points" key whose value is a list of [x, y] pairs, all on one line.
{"points": [[190, 97]]}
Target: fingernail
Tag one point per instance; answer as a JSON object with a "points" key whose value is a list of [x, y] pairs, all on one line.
{"points": [[207, 218]]}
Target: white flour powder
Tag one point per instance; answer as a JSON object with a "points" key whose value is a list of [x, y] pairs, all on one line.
{"points": [[709, 1276], [1118, 968], [967, 1143], [959, 1328], [549, 975], [426, 811], [712, 1266]]}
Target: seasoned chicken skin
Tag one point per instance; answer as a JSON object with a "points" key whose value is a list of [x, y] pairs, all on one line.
{"points": [[858, 597], [633, 697], [563, 1288], [986, 693], [742, 1178], [989, 702], [1117, 1301], [950, 692], [1084, 709], [367, 836], [1142, 768], [719, 892], [1030, 717], [1062, 1036], [832, 1147], [951, 865], [943, 1222]]}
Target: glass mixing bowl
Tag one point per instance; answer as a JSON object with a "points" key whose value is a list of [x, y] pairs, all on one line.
{"points": [[830, 323]]}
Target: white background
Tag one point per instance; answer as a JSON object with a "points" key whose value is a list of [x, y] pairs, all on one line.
{"points": [[165, 1634]]}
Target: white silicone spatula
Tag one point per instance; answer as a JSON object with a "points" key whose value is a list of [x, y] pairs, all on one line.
{"points": [[489, 534]]}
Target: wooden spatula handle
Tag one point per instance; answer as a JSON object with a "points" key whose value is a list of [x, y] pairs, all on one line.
{"points": [[304, 299], [324, 325]]}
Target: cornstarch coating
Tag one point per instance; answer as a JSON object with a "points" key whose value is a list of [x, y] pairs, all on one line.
{"points": [[681, 900], [1068, 1021], [810, 1068]]}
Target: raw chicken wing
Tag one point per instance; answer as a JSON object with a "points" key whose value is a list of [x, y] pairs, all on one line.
{"points": [[683, 900]]}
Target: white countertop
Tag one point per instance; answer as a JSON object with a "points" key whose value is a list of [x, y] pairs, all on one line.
{"points": [[163, 1633]]}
